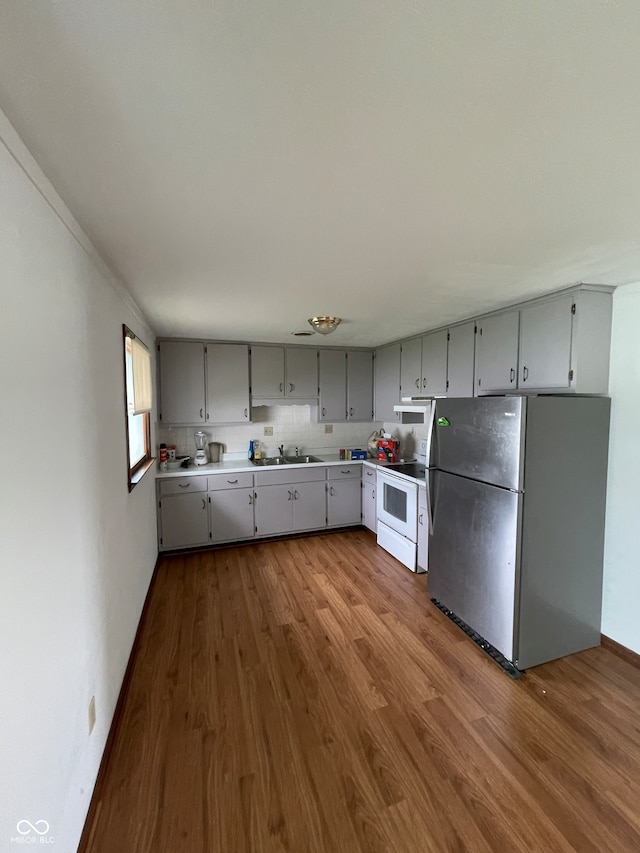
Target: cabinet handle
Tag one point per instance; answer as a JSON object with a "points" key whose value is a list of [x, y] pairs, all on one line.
{"points": [[250, 499], [281, 387], [200, 414], [295, 495], [290, 498], [204, 504], [424, 382], [246, 413], [324, 411], [351, 412], [373, 494], [183, 485], [512, 375], [369, 473], [207, 417], [418, 384], [291, 386], [331, 490], [348, 471], [420, 519], [525, 374], [232, 482]]}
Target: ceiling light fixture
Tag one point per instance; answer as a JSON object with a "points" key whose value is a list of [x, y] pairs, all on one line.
{"points": [[324, 325]]}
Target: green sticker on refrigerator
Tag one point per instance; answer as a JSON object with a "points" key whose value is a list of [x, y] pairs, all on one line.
{"points": [[444, 422]]}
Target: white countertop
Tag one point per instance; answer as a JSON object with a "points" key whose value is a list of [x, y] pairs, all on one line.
{"points": [[234, 466]]}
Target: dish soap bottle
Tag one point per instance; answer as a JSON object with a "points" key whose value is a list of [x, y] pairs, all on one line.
{"points": [[251, 451], [257, 452]]}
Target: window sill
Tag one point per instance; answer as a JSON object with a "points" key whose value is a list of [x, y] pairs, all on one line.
{"points": [[140, 472]]}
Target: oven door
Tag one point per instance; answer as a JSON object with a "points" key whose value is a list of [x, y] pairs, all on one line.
{"points": [[397, 502]]}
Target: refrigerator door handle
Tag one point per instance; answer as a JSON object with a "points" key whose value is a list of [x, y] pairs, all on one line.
{"points": [[429, 507], [432, 417]]}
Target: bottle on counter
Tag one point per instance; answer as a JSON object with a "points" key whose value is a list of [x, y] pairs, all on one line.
{"points": [[251, 451], [163, 457], [257, 450]]}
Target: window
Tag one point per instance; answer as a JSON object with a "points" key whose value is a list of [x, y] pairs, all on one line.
{"points": [[138, 403]]}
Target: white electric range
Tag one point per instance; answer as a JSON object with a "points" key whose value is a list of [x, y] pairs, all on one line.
{"points": [[397, 509]]}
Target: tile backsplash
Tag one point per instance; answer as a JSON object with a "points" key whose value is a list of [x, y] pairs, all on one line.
{"points": [[293, 426]]}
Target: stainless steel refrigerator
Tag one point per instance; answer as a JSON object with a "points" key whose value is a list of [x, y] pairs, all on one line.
{"points": [[517, 495]]}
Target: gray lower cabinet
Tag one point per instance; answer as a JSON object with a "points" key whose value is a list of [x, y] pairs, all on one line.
{"points": [[231, 503], [290, 507], [344, 495], [183, 513], [423, 528], [369, 514]]}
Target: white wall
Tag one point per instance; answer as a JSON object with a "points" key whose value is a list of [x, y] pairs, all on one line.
{"points": [[621, 609], [76, 549]]}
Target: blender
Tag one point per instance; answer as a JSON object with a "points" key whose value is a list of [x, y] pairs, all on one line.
{"points": [[201, 442]]}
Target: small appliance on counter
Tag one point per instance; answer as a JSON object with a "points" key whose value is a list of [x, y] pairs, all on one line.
{"points": [[388, 450], [200, 439], [215, 449]]}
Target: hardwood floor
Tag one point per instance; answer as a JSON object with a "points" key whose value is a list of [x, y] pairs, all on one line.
{"points": [[304, 695]]}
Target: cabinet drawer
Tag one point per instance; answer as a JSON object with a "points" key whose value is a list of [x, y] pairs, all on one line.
{"points": [[182, 485], [348, 472], [285, 475], [230, 481], [369, 475]]}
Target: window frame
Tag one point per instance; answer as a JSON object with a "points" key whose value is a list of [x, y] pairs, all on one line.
{"points": [[136, 472]]}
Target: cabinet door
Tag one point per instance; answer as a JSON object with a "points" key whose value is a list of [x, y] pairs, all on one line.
{"points": [[423, 528], [497, 353], [231, 514], [267, 371], [273, 509], [181, 366], [360, 386], [387, 383], [434, 364], [184, 520], [344, 503], [302, 372], [333, 385], [545, 344], [369, 514], [460, 360], [411, 368], [227, 383], [309, 505]]}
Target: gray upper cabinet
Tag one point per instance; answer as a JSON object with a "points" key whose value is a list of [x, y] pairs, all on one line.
{"points": [[387, 383], [333, 385], [182, 382], [227, 383], [411, 368], [267, 371], [301, 380], [545, 344], [284, 373], [565, 343], [360, 386], [497, 353], [460, 360], [434, 364]]}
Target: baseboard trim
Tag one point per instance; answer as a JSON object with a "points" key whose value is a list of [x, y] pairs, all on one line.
{"points": [[86, 838], [620, 650]]}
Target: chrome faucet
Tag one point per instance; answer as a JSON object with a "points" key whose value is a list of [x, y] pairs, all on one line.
{"points": [[281, 449]]}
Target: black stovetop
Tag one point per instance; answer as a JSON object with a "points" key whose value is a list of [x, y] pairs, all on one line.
{"points": [[409, 469]]}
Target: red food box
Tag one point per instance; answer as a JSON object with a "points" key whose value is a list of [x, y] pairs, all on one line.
{"points": [[389, 450]]}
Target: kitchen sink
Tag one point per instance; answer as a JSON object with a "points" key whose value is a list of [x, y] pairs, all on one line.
{"points": [[286, 460]]}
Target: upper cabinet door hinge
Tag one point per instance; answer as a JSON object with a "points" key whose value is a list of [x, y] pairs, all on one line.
{"points": [[573, 307], [571, 376], [448, 336], [475, 330]]}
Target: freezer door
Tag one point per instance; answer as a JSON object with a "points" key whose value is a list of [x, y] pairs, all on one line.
{"points": [[481, 438], [474, 556]]}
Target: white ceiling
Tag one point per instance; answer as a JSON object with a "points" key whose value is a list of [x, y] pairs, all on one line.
{"points": [[242, 166]]}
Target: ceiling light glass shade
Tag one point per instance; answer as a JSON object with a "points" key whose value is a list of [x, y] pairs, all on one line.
{"points": [[325, 325]]}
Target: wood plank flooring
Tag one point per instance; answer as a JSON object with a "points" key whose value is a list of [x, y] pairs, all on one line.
{"points": [[304, 695]]}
